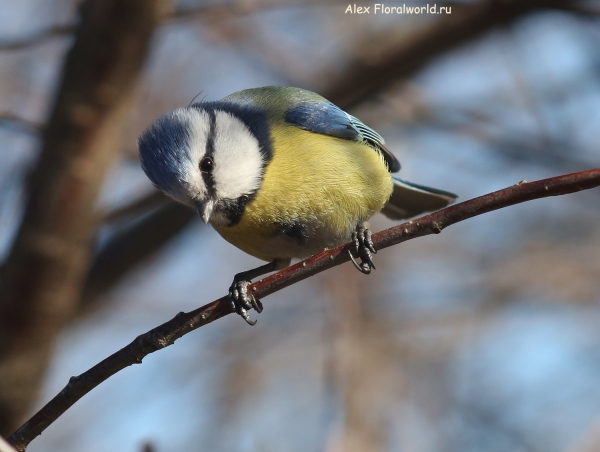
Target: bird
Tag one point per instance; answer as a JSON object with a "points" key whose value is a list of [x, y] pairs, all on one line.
{"points": [[281, 173]]}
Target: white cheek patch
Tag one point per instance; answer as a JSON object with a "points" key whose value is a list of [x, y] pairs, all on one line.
{"points": [[237, 156], [198, 122]]}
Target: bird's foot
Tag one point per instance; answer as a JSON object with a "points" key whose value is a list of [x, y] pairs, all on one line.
{"points": [[242, 301], [364, 249]]}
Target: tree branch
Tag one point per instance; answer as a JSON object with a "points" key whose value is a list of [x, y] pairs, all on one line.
{"points": [[25, 125], [45, 270], [585, 7], [133, 244], [239, 8], [44, 35], [464, 25], [136, 208], [39, 37], [166, 334]]}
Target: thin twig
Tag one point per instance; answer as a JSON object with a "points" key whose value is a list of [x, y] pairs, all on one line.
{"points": [[136, 208], [39, 37], [166, 334], [25, 125], [132, 245]]}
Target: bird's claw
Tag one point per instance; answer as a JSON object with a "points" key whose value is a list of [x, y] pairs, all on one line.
{"points": [[364, 249], [241, 301]]}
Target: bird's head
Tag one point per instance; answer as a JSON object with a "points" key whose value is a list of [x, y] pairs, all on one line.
{"points": [[210, 156]]}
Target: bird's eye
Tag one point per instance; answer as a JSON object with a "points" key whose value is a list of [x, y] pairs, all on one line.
{"points": [[206, 165]]}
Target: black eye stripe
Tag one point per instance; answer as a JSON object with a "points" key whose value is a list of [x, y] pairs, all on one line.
{"points": [[207, 176]]}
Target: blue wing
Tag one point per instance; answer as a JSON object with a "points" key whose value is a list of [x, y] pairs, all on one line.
{"points": [[327, 119]]}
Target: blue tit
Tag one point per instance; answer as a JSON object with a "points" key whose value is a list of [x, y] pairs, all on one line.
{"points": [[280, 173]]}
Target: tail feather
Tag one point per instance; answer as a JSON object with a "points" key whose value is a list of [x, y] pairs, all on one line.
{"points": [[410, 199]]}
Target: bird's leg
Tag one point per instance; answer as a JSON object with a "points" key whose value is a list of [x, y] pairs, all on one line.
{"points": [[363, 248], [241, 300]]}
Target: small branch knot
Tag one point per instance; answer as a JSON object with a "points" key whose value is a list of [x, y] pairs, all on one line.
{"points": [[164, 342]]}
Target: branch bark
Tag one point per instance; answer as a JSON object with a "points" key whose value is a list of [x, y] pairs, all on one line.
{"points": [[183, 323], [45, 270]]}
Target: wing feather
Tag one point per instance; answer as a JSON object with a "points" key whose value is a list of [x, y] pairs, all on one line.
{"points": [[409, 199], [328, 119]]}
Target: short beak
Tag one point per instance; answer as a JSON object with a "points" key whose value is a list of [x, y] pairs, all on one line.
{"points": [[205, 209]]}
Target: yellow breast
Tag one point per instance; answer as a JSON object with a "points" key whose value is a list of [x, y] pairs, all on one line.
{"points": [[323, 184]]}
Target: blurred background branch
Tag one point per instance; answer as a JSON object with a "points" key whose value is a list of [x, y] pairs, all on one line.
{"points": [[469, 22], [37, 38], [158, 219], [26, 126], [47, 264]]}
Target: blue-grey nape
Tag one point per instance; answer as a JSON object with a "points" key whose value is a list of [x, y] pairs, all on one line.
{"points": [[163, 147], [327, 119]]}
